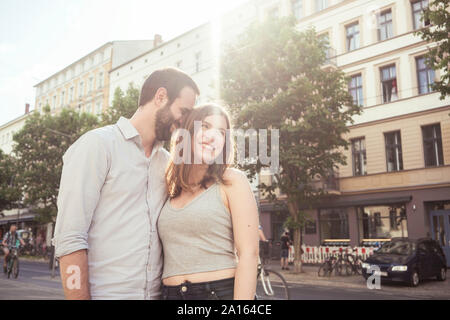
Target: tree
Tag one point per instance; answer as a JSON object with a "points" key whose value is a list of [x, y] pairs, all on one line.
{"points": [[39, 147], [9, 192], [438, 32], [123, 105], [273, 78]]}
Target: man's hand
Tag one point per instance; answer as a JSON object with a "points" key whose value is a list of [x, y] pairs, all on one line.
{"points": [[74, 275]]}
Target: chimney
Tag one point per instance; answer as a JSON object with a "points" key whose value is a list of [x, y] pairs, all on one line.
{"points": [[157, 40], [27, 108]]}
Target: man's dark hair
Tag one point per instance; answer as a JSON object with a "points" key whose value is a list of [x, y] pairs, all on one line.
{"points": [[172, 79]]}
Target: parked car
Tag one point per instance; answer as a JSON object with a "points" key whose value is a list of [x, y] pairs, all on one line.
{"points": [[407, 260]]}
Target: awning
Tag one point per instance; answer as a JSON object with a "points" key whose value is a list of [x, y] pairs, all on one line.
{"points": [[346, 202], [343, 201], [17, 218]]}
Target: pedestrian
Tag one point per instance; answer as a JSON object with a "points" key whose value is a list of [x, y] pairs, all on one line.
{"points": [[211, 211], [285, 243], [111, 192]]}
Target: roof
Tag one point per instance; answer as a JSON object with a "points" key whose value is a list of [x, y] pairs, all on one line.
{"points": [[70, 65], [162, 44]]}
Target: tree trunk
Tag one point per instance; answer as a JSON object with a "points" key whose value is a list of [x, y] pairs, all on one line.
{"points": [[293, 211], [298, 251]]}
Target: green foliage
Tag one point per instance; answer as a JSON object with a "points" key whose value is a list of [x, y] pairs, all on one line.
{"points": [[438, 31], [274, 78], [124, 105], [39, 148], [9, 192]]}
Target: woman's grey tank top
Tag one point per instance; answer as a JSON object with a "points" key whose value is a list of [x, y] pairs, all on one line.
{"points": [[198, 237]]}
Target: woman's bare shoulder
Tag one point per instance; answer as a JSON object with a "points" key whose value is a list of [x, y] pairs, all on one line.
{"points": [[234, 176]]}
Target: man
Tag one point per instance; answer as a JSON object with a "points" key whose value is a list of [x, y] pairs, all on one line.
{"points": [[9, 241], [111, 192], [285, 243]]}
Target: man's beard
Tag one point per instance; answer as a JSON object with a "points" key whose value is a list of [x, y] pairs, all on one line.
{"points": [[163, 124]]}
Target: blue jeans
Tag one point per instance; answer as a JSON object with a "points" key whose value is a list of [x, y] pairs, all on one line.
{"points": [[212, 290]]}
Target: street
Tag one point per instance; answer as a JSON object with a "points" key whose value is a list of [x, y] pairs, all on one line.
{"points": [[311, 292], [35, 283]]}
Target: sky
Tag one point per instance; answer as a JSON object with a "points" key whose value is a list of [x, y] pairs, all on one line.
{"points": [[40, 37]]}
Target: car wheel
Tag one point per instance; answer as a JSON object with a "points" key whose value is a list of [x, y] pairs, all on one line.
{"points": [[442, 274], [414, 279]]}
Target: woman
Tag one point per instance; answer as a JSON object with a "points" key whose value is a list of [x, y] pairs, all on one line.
{"points": [[210, 215]]}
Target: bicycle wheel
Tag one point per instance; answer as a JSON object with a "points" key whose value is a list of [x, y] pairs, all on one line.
{"points": [[15, 268], [271, 286], [324, 269], [345, 269], [358, 266], [9, 268]]}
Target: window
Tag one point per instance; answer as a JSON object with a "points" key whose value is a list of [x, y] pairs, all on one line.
{"points": [[197, 61], [352, 34], [98, 108], [91, 84], [297, 9], [417, 11], [359, 157], [394, 159], [100, 80], [71, 94], [62, 98], [432, 145], [355, 89], [389, 83], [321, 4], [328, 49], [333, 224], [425, 76], [54, 103], [382, 222], [272, 13], [385, 30], [81, 89]]}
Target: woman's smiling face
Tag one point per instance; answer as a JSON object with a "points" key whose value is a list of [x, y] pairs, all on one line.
{"points": [[209, 138]]}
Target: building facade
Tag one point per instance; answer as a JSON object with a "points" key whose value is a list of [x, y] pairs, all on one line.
{"points": [[84, 84], [397, 179]]}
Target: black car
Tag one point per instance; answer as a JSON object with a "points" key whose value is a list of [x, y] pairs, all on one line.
{"points": [[407, 260]]}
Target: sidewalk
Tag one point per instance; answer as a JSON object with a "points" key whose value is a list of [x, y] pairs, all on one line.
{"points": [[310, 277]]}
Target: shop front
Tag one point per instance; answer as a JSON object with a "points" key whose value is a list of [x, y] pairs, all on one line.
{"points": [[369, 220]]}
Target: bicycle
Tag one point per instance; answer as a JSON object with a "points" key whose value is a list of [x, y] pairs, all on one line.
{"points": [[270, 285], [336, 263], [328, 266], [355, 262], [12, 264]]}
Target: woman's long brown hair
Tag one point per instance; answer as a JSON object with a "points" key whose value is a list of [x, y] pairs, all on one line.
{"points": [[177, 175]]}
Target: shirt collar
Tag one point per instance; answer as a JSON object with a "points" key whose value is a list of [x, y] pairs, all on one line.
{"points": [[130, 132], [127, 129]]}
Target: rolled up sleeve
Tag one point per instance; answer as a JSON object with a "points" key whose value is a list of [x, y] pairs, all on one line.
{"points": [[85, 167]]}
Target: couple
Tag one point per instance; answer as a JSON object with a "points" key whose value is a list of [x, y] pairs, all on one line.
{"points": [[133, 223]]}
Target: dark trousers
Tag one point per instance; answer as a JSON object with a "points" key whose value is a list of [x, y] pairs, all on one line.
{"points": [[212, 290]]}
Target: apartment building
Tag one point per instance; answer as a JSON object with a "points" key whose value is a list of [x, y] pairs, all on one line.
{"points": [[397, 178], [84, 84], [190, 52], [8, 130]]}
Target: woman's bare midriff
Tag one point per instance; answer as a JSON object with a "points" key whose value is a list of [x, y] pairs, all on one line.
{"points": [[200, 277]]}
